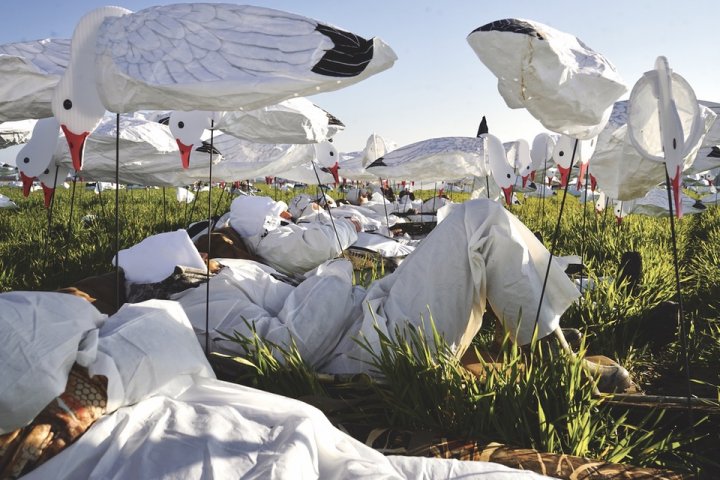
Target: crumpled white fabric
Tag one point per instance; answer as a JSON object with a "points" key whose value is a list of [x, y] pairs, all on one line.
{"points": [[216, 429], [148, 349], [176, 421], [301, 205], [155, 257], [250, 215], [478, 252], [315, 314], [387, 247], [296, 249], [44, 333], [562, 82]]}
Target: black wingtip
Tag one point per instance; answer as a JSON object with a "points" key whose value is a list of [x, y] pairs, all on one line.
{"points": [[164, 120], [512, 25], [205, 148], [483, 128], [349, 56], [377, 163], [714, 152], [332, 119]]}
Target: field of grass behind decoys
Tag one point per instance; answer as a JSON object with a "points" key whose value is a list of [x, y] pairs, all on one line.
{"points": [[542, 400]]}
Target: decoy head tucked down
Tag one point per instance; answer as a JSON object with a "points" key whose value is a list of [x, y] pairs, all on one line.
{"points": [[188, 128], [36, 156], [542, 150], [327, 156], [520, 153], [76, 102], [499, 167]]}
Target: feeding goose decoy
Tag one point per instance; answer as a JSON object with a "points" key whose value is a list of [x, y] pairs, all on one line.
{"points": [[293, 121]]}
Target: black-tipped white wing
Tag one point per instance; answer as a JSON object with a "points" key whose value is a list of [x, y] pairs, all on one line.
{"points": [[29, 73], [226, 57], [443, 158]]}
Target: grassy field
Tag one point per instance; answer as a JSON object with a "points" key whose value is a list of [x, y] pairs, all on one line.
{"points": [[547, 403]]}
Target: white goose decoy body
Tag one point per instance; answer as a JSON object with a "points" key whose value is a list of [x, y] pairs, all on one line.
{"points": [[213, 57]]}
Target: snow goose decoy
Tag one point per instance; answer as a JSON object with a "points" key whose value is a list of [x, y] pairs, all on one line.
{"points": [[293, 121], [665, 122], [149, 153], [36, 159], [619, 168], [432, 160], [564, 84], [353, 164], [563, 157], [500, 169], [36, 156], [518, 154], [212, 57], [540, 152], [323, 164], [655, 204], [6, 202]]}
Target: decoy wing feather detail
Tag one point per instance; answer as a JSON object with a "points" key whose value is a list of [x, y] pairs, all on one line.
{"points": [[250, 56]]}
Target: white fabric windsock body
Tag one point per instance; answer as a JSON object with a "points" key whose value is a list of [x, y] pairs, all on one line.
{"points": [[563, 83], [432, 160]]}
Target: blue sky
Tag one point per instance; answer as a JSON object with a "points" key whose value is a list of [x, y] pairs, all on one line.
{"points": [[438, 87]]}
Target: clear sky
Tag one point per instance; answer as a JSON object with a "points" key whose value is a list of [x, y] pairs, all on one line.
{"points": [[438, 87]]}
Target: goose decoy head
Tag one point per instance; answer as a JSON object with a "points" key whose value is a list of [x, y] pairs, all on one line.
{"points": [[187, 128]]}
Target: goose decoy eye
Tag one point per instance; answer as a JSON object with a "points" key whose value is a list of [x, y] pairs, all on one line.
{"points": [[47, 170], [561, 153], [508, 175], [181, 124], [332, 154], [26, 160], [67, 104], [674, 144]]}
